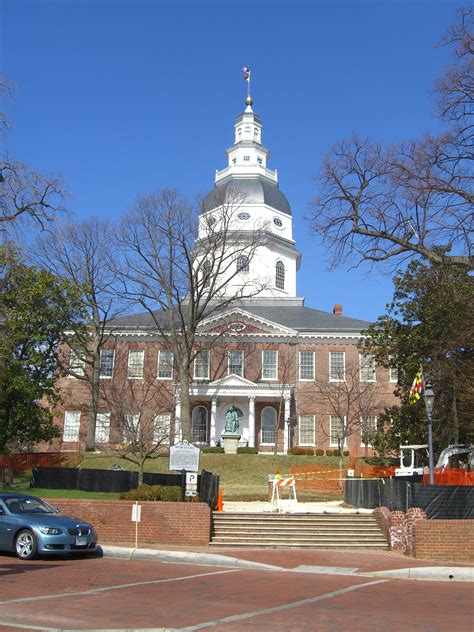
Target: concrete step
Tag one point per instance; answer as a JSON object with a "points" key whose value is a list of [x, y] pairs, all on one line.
{"points": [[298, 545], [296, 530]]}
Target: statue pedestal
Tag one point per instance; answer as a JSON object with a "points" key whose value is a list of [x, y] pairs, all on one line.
{"points": [[230, 441]]}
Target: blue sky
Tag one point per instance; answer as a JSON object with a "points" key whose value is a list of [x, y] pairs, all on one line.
{"points": [[127, 97]]}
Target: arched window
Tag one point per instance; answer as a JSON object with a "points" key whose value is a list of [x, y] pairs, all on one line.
{"points": [[269, 422], [199, 418], [206, 273], [280, 275], [242, 264]]}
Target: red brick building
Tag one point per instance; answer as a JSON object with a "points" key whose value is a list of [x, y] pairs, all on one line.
{"points": [[292, 375]]}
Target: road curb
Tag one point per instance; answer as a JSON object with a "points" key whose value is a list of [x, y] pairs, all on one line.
{"points": [[429, 573], [185, 557], [425, 573]]}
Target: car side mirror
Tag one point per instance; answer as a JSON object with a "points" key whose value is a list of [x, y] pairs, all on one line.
{"points": [[2, 513]]}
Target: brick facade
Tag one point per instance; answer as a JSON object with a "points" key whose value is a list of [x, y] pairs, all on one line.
{"points": [[119, 393]]}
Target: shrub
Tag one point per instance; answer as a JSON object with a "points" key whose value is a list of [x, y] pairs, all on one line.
{"points": [[217, 449], [246, 450], [346, 453], [153, 492], [298, 451], [331, 452], [319, 452], [380, 461]]}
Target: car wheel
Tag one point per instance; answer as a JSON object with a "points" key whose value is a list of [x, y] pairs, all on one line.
{"points": [[25, 545]]}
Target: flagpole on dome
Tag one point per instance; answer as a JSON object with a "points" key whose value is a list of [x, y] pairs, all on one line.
{"points": [[247, 73]]}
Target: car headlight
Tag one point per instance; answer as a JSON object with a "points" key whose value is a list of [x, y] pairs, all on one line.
{"points": [[50, 530]]}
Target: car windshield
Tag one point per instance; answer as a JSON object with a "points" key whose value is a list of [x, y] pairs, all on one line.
{"points": [[28, 505]]}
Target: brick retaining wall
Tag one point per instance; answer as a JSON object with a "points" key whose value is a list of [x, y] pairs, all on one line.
{"points": [[161, 522], [413, 534], [451, 540]]}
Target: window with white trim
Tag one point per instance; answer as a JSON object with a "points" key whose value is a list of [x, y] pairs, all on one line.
{"points": [[367, 367], [131, 428], [107, 359], [280, 275], [368, 429], [306, 365], [336, 430], [72, 424], [269, 365], [162, 428], [337, 366], [165, 364], [269, 422], [102, 427], [393, 374], [201, 365], [236, 363], [76, 364], [199, 423], [306, 430], [135, 364]]}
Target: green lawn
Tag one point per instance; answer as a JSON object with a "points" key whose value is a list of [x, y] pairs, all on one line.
{"points": [[242, 476]]}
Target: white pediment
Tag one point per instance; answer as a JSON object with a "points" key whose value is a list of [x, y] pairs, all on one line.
{"points": [[238, 315], [232, 380]]}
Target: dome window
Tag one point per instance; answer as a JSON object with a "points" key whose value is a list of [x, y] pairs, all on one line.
{"points": [[244, 216], [242, 264], [280, 275], [246, 158], [277, 221]]}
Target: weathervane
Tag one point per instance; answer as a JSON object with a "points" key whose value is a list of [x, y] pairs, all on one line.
{"points": [[246, 71]]}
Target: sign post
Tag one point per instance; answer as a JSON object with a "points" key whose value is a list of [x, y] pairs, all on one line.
{"points": [[184, 456], [136, 518]]}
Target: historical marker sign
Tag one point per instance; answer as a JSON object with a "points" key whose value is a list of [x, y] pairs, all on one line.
{"points": [[184, 456]]}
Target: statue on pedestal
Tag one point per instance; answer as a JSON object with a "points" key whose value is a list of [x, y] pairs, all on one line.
{"points": [[232, 420]]}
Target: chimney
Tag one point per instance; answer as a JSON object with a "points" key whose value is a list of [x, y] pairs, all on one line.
{"points": [[337, 310]]}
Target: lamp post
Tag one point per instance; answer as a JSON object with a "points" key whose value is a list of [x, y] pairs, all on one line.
{"points": [[429, 401]]}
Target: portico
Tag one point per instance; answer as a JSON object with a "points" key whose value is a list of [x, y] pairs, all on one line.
{"points": [[248, 397]]}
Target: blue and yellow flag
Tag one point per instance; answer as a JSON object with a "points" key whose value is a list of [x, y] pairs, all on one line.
{"points": [[417, 387]]}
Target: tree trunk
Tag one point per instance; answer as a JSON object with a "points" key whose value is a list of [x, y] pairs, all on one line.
{"points": [[185, 401], [94, 386]]}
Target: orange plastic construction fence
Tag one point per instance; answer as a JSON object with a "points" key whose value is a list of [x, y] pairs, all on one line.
{"points": [[450, 476]]}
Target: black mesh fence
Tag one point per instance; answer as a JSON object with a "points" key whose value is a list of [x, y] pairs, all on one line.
{"points": [[445, 502], [208, 485], [117, 481]]}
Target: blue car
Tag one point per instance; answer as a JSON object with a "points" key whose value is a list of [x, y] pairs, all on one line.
{"points": [[30, 527]]}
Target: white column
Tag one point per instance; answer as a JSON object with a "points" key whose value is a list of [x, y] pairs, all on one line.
{"points": [[177, 421], [286, 435], [251, 421], [213, 438]]}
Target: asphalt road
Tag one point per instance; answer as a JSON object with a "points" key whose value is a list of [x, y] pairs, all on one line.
{"points": [[99, 594]]}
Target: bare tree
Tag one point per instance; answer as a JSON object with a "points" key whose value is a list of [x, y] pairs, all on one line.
{"points": [[180, 268], [381, 204], [141, 423], [25, 195], [84, 253], [350, 402]]}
